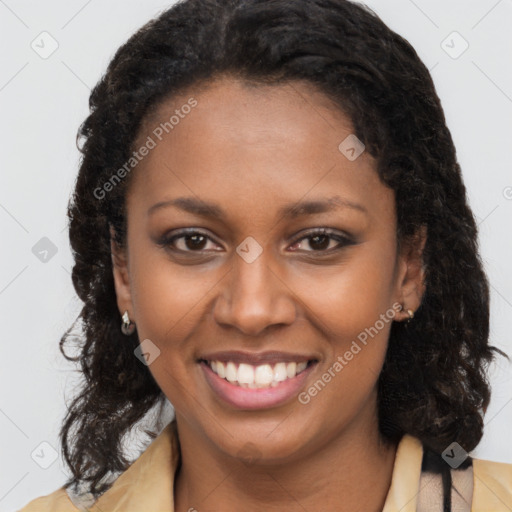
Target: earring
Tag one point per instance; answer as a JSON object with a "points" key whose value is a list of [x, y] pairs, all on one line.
{"points": [[410, 312], [127, 327]]}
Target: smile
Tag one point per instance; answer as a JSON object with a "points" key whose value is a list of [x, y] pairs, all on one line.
{"points": [[256, 386]]}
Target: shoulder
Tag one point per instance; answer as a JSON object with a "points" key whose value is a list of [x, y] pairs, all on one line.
{"points": [[57, 501], [146, 485], [492, 485]]}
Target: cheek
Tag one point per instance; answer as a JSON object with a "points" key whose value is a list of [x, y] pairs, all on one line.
{"points": [[169, 303], [352, 305], [344, 299], [354, 311], [167, 297]]}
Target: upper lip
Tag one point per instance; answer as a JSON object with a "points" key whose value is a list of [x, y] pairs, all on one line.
{"points": [[256, 358]]}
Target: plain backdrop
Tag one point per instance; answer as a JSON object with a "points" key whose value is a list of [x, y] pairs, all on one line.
{"points": [[466, 45]]}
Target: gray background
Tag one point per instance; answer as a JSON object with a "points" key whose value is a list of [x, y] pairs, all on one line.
{"points": [[42, 103]]}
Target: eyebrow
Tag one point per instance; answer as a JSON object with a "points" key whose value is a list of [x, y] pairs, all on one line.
{"points": [[290, 211]]}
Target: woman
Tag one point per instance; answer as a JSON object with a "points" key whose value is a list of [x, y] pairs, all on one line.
{"points": [[271, 232]]}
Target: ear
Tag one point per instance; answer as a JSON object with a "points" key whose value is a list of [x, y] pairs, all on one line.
{"points": [[121, 276], [411, 274]]}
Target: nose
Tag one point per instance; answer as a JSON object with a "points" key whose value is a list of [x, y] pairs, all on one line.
{"points": [[254, 297]]}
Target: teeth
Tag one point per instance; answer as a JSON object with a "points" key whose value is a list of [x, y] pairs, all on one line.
{"points": [[220, 370], [291, 370], [280, 373], [245, 373], [231, 373], [263, 376]]}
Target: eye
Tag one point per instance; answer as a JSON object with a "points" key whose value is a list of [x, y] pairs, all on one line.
{"points": [[186, 241], [320, 240]]}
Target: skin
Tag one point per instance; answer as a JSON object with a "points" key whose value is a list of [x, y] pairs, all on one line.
{"points": [[252, 150]]}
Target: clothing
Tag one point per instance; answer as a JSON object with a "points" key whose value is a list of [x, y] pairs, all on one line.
{"points": [[147, 485]]}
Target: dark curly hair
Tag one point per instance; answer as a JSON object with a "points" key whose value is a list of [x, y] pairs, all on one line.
{"points": [[433, 383]]}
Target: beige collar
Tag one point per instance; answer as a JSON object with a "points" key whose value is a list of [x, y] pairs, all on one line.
{"points": [[148, 484]]}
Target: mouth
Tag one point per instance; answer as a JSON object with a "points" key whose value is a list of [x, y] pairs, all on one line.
{"points": [[247, 381]]}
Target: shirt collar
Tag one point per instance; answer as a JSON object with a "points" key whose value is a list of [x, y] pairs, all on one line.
{"points": [[148, 484], [403, 492]]}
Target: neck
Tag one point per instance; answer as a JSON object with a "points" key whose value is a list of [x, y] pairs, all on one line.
{"points": [[351, 472]]}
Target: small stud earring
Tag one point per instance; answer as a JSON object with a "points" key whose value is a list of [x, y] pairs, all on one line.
{"points": [[127, 327], [410, 312]]}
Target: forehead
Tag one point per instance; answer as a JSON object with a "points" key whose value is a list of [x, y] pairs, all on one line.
{"points": [[253, 144]]}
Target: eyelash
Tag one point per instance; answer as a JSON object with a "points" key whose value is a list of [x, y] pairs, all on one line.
{"points": [[167, 241]]}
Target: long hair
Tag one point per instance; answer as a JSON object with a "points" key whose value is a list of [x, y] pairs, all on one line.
{"points": [[433, 384]]}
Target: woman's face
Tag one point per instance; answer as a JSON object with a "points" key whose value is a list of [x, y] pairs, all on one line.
{"points": [[253, 172]]}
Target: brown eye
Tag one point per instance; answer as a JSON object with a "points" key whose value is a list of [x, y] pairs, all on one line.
{"points": [[189, 241], [321, 240], [194, 242]]}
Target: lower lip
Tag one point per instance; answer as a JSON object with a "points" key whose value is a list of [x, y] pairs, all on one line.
{"points": [[262, 398]]}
